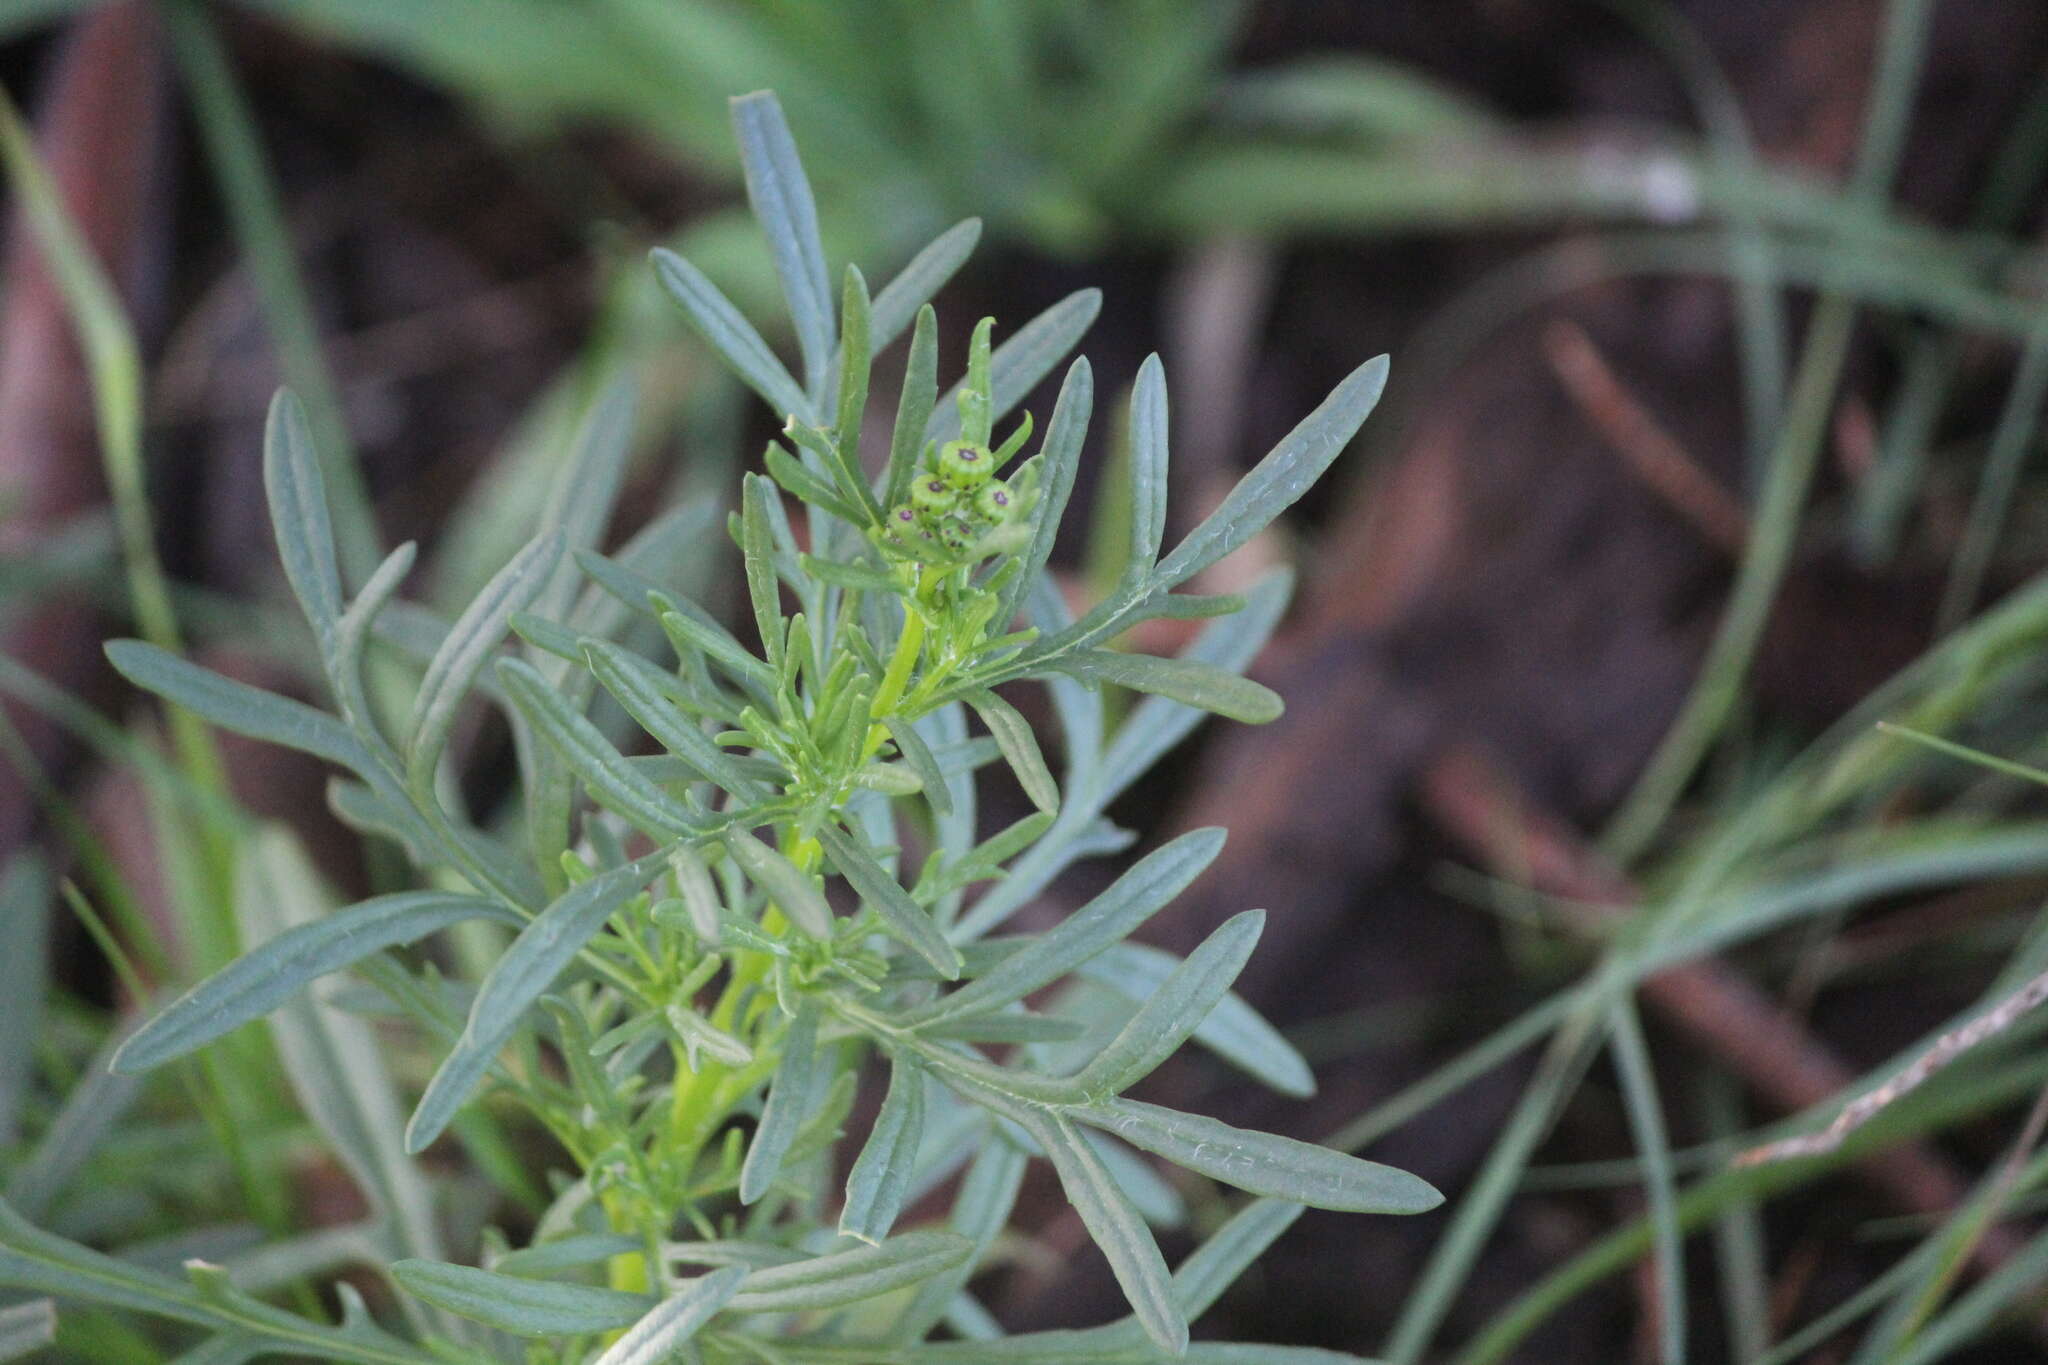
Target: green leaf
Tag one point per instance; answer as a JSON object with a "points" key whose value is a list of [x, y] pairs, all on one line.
{"points": [[566, 1253], [660, 1336], [690, 630], [901, 915], [1186, 681], [918, 755], [1229, 1252], [1110, 918], [298, 515], [1061, 457], [1148, 446], [27, 1327], [1263, 1163], [602, 768], [1019, 363], [917, 283], [880, 1179], [1013, 735], [913, 408], [786, 884], [352, 636], [1233, 1030], [854, 362], [731, 335], [1176, 1009], [467, 645], [25, 906], [981, 1210], [518, 978], [236, 706], [789, 1100], [808, 487], [653, 697], [1116, 1227], [782, 202], [851, 1276], [757, 548], [523, 1307], [1278, 480], [271, 973]]}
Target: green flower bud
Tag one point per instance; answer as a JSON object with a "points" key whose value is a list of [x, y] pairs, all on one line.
{"points": [[995, 503], [933, 497], [964, 466]]}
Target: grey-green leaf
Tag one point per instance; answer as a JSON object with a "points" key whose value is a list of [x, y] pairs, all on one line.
{"points": [[758, 552], [298, 514], [602, 768], [236, 706], [782, 202], [1109, 918], [1233, 1031], [649, 695], [1278, 480], [1264, 1163], [788, 885], [731, 335], [913, 407], [468, 644], [1061, 456], [1013, 735], [851, 1276], [880, 1178], [266, 976], [789, 1099], [1187, 681], [904, 917], [523, 1307], [1176, 1009], [917, 283], [918, 755], [660, 1336], [527, 968], [1148, 455], [27, 1327], [1116, 1227]]}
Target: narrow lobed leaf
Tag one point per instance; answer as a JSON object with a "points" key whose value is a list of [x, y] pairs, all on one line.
{"points": [[661, 1335], [1187, 681], [902, 916], [1014, 737], [298, 514], [237, 706], [880, 1178], [511, 1303], [781, 198], [731, 336], [789, 1100], [1176, 1009], [603, 769], [851, 1276], [786, 884]]}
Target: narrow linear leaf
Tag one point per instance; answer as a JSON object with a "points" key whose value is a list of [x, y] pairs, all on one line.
{"points": [[1148, 446], [854, 363], [650, 696], [1278, 480], [1263, 1163], [661, 1335], [298, 514], [27, 1327], [1231, 1250], [781, 197], [1116, 1227], [786, 884], [789, 1098], [469, 642], [805, 486], [1019, 363], [880, 1179], [236, 706], [904, 917], [1176, 1009], [918, 755], [757, 547], [731, 336], [918, 282], [519, 977], [1061, 453], [523, 1307], [1233, 1031], [25, 915], [913, 408], [851, 1276], [1013, 735], [1186, 681], [1109, 918], [266, 976], [602, 768]]}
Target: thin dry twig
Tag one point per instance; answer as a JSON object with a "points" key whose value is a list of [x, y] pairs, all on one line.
{"points": [[1945, 1050], [1648, 451]]}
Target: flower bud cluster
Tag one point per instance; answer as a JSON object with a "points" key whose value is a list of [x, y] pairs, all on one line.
{"points": [[958, 511]]}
